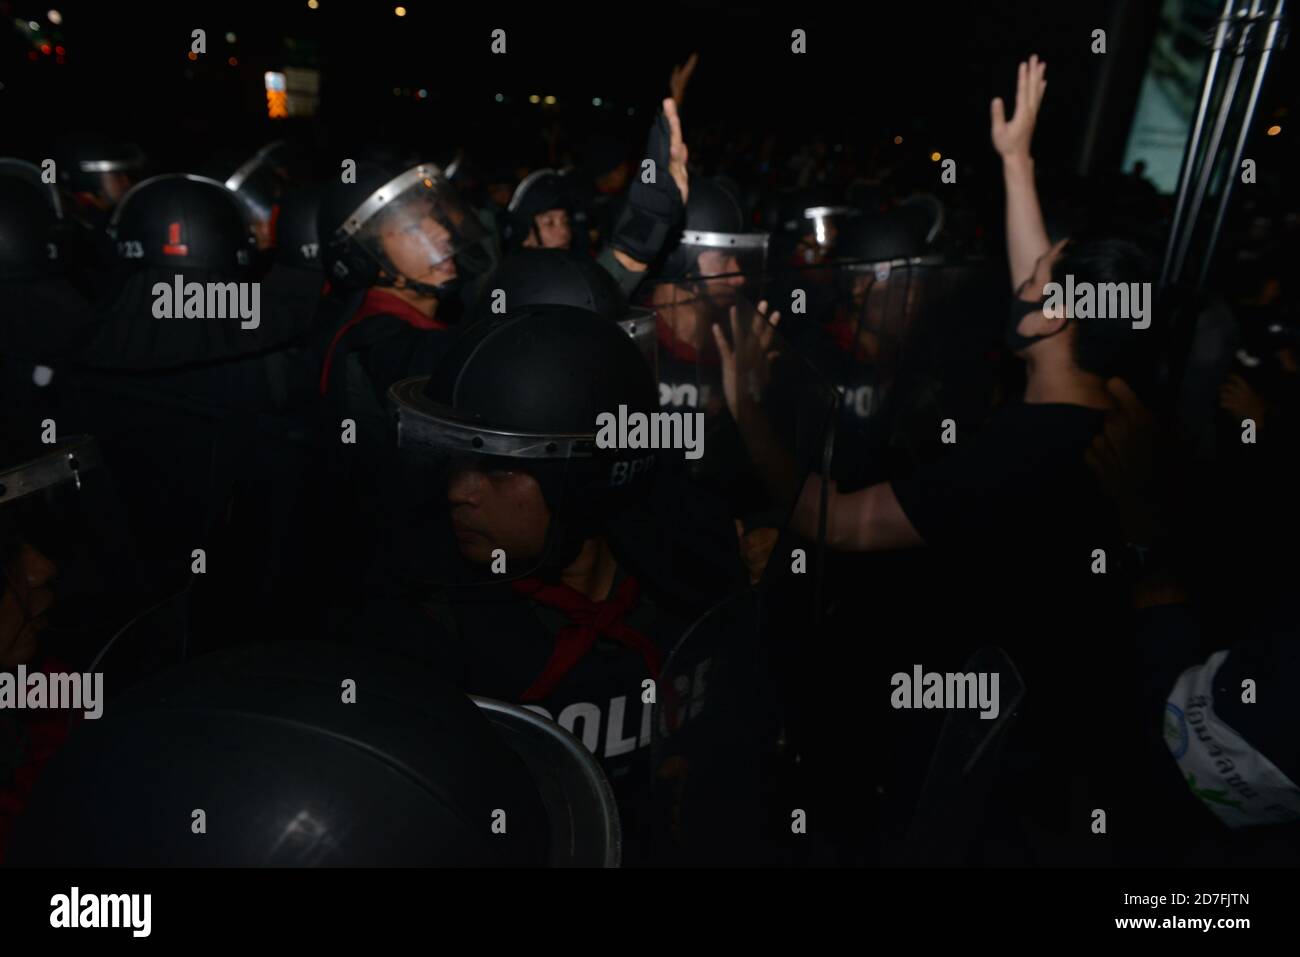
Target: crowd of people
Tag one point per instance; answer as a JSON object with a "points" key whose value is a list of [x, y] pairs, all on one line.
{"points": [[301, 403]]}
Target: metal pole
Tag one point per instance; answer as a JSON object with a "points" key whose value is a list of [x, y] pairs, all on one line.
{"points": [[1274, 29], [1193, 144], [1212, 151]]}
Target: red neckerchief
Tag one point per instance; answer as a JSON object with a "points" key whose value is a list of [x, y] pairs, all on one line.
{"points": [[377, 302], [591, 619], [679, 349]]}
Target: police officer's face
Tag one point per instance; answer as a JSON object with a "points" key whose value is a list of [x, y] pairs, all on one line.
{"points": [[25, 600], [727, 280], [262, 230], [493, 509], [113, 186], [413, 242], [861, 285], [552, 232]]}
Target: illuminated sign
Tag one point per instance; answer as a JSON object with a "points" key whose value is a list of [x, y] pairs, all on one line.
{"points": [[277, 98], [295, 92]]}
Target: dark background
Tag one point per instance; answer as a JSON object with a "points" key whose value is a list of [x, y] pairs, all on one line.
{"points": [[921, 70]]}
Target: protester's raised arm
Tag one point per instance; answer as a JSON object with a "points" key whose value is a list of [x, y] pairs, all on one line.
{"points": [[1026, 234]]}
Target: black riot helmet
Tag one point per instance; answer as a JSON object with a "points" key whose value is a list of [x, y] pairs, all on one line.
{"points": [[341, 260], [31, 173], [179, 220], [297, 239], [715, 226], [259, 181], [452, 161], [560, 277], [29, 219], [409, 226], [881, 238], [406, 772], [810, 220], [539, 192], [926, 213], [885, 276], [97, 170], [878, 265], [530, 392]]}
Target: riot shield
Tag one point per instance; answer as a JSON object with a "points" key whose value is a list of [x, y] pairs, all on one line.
{"points": [[782, 409], [66, 553], [881, 330], [154, 640], [579, 801], [714, 729], [410, 773], [689, 376], [769, 465], [639, 324], [757, 478]]}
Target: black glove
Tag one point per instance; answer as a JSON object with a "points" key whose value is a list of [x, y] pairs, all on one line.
{"points": [[653, 209]]}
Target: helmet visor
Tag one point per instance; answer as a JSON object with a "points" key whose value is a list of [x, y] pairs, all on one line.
{"points": [[415, 225]]}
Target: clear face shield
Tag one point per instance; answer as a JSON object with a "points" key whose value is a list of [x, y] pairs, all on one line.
{"points": [[725, 269], [877, 302], [727, 266], [419, 231], [640, 326]]}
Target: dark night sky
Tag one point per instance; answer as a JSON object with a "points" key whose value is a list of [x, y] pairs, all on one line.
{"points": [[925, 71]]}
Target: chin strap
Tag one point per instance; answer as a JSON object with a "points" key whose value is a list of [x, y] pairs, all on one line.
{"points": [[440, 291]]}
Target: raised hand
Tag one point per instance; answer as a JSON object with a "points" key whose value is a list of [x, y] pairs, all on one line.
{"points": [[681, 76], [747, 359], [677, 152], [1011, 137], [1236, 396]]}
